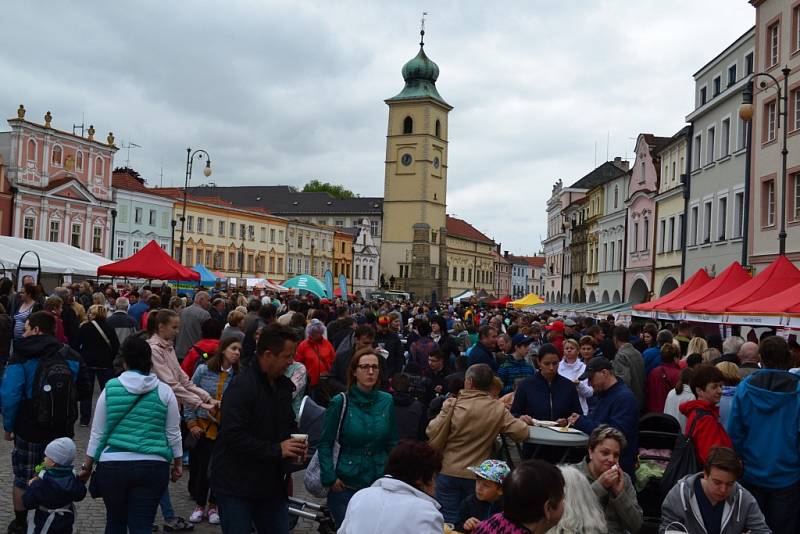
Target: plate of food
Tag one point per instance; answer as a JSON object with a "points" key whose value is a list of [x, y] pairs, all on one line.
{"points": [[545, 423], [565, 429]]}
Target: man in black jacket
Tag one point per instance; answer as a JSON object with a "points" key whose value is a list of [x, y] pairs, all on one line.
{"points": [[248, 471]]}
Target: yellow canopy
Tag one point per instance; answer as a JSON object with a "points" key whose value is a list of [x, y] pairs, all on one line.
{"points": [[528, 300]]}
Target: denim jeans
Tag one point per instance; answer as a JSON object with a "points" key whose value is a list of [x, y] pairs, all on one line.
{"points": [[238, 515], [131, 491], [779, 506], [450, 492], [167, 511], [102, 375], [337, 503]]}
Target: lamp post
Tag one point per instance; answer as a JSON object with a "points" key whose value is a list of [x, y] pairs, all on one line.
{"points": [[746, 113], [113, 231], [173, 223], [190, 157]]}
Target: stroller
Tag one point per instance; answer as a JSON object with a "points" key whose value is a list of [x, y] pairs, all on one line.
{"points": [[657, 435], [311, 421]]}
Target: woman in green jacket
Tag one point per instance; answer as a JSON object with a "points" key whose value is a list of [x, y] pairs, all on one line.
{"points": [[368, 434]]}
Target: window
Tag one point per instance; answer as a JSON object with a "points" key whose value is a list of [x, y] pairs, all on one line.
{"points": [[190, 256], [743, 133], [635, 238], [433, 236], [455, 274], [209, 226], [98, 166], [79, 161], [711, 144], [272, 235], [768, 192], [370, 270], [770, 117], [707, 222], [641, 172], [75, 237], [698, 147], [616, 196], [280, 266], [251, 233], [137, 215], [97, 238], [57, 156], [289, 265], [339, 223], [221, 229], [702, 96], [164, 219], [663, 235], [613, 257], [694, 228], [232, 230], [231, 261], [773, 43], [208, 259], [438, 128], [725, 140], [408, 125], [120, 248], [200, 222], [27, 228], [722, 219], [55, 231], [796, 28], [299, 241], [190, 223], [373, 229], [731, 75], [469, 275], [646, 235], [748, 64], [136, 246], [462, 273], [280, 236], [717, 83], [796, 114], [152, 215], [271, 264], [219, 259], [738, 214]]}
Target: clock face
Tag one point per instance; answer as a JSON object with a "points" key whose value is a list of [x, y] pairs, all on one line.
{"points": [[436, 163], [406, 159]]}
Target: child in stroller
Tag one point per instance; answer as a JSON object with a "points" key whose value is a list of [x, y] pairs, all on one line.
{"points": [[657, 435]]}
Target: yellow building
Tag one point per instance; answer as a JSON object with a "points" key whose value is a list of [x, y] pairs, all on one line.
{"points": [[232, 241], [343, 257], [595, 209], [470, 258], [413, 252], [309, 249]]}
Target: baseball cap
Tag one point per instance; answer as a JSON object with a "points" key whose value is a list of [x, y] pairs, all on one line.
{"points": [[520, 339], [570, 323], [595, 365], [558, 326], [492, 470]]}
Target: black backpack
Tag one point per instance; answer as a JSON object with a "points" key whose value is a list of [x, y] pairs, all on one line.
{"points": [[684, 458], [54, 394]]}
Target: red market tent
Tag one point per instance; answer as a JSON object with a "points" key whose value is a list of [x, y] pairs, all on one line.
{"points": [[338, 293], [778, 276], [152, 263], [776, 304], [729, 280], [500, 303], [696, 281]]}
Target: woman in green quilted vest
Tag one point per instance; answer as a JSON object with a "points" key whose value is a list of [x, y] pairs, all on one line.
{"points": [[214, 377], [368, 433], [135, 442]]}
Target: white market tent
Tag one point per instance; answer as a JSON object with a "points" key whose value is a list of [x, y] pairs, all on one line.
{"points": [[56, 258]]}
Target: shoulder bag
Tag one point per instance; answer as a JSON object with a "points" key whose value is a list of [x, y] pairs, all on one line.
{"points": [[439, 441], [312, 479], [684, 457]]}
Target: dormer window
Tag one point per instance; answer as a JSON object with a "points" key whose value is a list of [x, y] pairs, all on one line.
{"points": [[408, 125]]}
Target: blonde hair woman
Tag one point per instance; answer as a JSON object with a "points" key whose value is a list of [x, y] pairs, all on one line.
{"points": [[697, 345]]}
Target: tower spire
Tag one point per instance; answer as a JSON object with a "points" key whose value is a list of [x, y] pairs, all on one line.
{"points": [[422, 29]]}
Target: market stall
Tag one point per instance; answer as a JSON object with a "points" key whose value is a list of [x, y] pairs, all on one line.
{"points": [[694, 282], [528, 300], [306, 282], [150, 263]]}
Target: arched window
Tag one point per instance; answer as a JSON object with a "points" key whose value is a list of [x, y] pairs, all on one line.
{"points": [[98, 167], [57, 155], [31, 150], [408, 125], [438, 128], [79, 161]]}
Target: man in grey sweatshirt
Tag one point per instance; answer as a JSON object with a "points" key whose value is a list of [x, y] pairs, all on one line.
{"points": [[712, 501]]}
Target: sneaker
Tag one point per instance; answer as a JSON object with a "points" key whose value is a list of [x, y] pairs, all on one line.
{"points": [[84, 425], [15, 527], [213, 515], [178, 524], [197, 515]]}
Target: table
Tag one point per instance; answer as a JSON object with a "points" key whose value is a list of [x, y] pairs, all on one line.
{"points": [[538, 435]]}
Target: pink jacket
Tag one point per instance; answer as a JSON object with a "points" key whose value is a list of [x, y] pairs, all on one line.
{"points": [[167, 369]]}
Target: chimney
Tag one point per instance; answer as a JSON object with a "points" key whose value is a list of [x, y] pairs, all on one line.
{"points": [[505, 254], [622, 164]]}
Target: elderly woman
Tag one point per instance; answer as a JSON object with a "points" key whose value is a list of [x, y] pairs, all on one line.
{"points": [[582, 512], [402, 501], [611, 485], [315, 352]]}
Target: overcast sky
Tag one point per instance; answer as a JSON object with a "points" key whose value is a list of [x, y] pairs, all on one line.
{"points": [[285, 92]]}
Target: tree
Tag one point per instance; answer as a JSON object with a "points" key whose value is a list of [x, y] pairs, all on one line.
{"points": [[336, 191]]}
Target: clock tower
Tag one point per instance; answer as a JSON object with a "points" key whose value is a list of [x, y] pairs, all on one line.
{"points": [[413, 246]]}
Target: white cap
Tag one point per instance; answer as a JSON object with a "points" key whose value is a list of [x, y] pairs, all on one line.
{"points": [[61, 451]]}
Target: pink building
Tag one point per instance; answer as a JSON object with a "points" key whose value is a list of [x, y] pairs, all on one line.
{"points": [[63, 184], [641, 205]]}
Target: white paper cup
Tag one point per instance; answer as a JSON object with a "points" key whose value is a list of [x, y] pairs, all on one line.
{"points": [[303, 438]]}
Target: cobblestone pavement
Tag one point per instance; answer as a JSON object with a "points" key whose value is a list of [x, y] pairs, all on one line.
{"points": [[91, 513]]}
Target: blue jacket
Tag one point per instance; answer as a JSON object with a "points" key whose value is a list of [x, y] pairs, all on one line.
{"points": [[546, 402], [17, 387], [479, 354], [652, 359], [616, 407], [764, 424], [57, 488]]}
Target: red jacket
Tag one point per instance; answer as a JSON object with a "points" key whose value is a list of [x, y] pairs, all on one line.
{"points": [[193, 357], [316, 356], [708, 432], [660, 380]]}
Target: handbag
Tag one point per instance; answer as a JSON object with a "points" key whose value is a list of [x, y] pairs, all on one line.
{"points": [[312, 479], [439, 441], [94, 489]]}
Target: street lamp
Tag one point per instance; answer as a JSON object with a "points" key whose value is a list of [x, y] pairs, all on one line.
{"points": [[190, 157], [746, 111]]}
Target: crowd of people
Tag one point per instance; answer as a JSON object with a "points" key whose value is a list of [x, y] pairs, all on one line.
{"points": [[415, 397]]}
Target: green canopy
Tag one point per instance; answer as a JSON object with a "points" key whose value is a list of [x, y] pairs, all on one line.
{"points": [[306, 282]]}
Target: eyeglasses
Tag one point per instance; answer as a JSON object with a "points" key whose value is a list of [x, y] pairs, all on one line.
{"points": [[369, 368]]}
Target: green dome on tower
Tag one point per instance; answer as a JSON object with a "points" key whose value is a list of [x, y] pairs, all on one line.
{"points": [[420, 75]]}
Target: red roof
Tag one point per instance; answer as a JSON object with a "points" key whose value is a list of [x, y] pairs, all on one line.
{"points": [[778, 276], [695, 281], [729, 280], [535, 261], [458, 228], [128, 182], [152, 263]]}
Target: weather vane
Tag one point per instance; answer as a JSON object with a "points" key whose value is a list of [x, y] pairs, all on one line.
{"points": [[422, 29]]}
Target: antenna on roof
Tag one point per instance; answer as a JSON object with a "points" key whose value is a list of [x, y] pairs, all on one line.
{"points": [[608, 141], [162, 171], [422, 29], [131, 144], [76, 127]]}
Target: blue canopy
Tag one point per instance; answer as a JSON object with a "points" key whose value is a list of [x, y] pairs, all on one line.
{"points": [[207, 278]]}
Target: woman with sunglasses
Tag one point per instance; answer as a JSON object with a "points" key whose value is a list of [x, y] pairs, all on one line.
{"points": [[368, 433]]}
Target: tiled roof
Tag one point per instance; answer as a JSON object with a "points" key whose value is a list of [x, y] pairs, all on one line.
{"points": [[459, 228], [282, 200], [128, 182], [604, 173], [656, 143], [517, 260], [535, 261]]}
